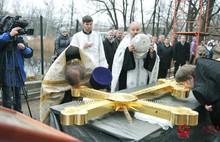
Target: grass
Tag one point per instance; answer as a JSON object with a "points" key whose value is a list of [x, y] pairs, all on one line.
{"points": [[48, 51], [48, 48]]}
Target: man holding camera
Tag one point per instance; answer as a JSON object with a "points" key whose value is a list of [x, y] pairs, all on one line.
{"points": [[13, 50]]}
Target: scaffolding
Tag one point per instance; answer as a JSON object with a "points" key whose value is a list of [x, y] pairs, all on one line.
{"points": [[189, 22]]}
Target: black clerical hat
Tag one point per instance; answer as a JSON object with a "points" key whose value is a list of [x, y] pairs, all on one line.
{"points": [[100, 78]]}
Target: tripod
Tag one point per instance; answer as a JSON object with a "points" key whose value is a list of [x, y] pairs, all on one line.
{"points": [[14, 76]]}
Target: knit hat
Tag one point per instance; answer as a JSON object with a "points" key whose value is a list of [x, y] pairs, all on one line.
{"points": [[63, 29]]}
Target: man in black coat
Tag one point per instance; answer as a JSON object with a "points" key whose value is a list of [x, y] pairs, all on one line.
{"points": [[181, 53], [204, 81], [118, 37], [165, 52], [109, 48]]}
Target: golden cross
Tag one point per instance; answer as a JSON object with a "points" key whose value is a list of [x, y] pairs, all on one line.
{"points": [[107, 102]]}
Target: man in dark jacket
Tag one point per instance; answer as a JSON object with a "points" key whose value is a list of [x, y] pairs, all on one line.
{"points": [[204, 81], [118, 37], [161, 40], [13, 50], [165, 52], [181, 53], [109, 48]]}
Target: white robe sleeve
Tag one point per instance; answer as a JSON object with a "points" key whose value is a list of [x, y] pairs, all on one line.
{"points": [[118, 62], [102, 59], [75, 41]]}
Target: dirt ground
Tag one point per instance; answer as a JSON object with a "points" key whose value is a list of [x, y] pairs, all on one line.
{"points": [[34, 108]]}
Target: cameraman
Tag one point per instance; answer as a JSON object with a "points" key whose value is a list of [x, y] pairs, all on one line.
{"points": [[13, 64]]}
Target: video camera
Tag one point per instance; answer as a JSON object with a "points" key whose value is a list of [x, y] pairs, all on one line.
{"points": [[7, 23]]}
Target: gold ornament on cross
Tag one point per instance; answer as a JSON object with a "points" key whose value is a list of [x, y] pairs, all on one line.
{"points": [[105, 102]]}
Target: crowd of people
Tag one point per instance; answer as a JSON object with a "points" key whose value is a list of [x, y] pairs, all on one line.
{"points": [[78, 56], [116, 52]]}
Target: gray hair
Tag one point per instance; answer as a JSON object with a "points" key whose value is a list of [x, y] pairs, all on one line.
{"points": [[135, 24], [110, 32]]}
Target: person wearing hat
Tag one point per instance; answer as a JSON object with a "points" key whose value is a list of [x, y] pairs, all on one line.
{"points": [[209, 50], [86, 46], [72, 68], [61, 42], [134, 64]]}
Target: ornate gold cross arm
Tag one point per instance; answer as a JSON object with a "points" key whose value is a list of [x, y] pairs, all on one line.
{"points": [[79, 115], [108, 102], [176, 115], [163, 86], [83, 91]]}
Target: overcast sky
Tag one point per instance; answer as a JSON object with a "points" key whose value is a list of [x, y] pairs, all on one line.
{"points": [[81, 6]]}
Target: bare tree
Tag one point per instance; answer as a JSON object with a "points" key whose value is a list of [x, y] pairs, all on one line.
{"points": [[16, 4], [67, 11], [142, 16], [109, 7], [2, 4], [170, 26], [193, 13], [49, 25], [158, 21], [114, 10], [209, 9], [132, 11], [33, 18], [154, 16], [124, 13], [71, 16], [167, 20]]}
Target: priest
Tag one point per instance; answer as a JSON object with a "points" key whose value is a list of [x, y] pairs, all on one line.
{"points": [[86, 46], [135, 62]]}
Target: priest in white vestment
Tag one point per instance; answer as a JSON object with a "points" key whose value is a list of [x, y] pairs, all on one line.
{"points": [[90, 42], [86, 46], [133, 68], [136, 63]]}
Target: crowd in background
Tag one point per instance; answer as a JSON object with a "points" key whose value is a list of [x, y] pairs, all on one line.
{"points": [[129, 67], [176, 55]]}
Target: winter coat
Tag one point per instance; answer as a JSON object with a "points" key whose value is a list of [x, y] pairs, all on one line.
{"points": [[61, 43], [181, 53], [166, 55], [110, 49], [15, 61], [193, 46]]}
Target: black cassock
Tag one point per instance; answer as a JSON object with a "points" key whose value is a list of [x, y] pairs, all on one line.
{"points": [[129, 64]]}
